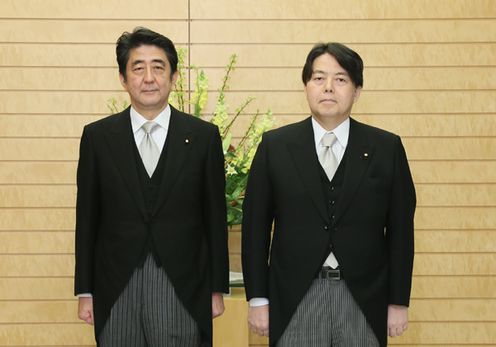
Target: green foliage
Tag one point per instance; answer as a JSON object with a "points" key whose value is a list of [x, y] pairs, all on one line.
{"points": [[238, 157]]}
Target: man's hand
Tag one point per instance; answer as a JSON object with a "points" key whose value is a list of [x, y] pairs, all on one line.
{"points": [[85, 309], [217, 304], [397, 320], [258, 320]]}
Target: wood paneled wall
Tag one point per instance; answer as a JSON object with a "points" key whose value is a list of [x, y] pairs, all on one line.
{"points": [[430, 76]]}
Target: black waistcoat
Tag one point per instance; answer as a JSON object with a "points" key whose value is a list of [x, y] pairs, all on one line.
{"points": [[332, 192], [150, 190]]}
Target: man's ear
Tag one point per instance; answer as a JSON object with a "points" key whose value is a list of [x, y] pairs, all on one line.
{"points": [[174, 78], [123, 81], [357, 94]]}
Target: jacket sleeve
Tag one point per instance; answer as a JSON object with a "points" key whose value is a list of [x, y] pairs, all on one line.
{"points": [[87, 207], [399, 229], [258, 216], [216, 215]]}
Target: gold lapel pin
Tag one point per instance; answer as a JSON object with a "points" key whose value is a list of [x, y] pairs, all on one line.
{"points": [[365, 156], [186, 141]]}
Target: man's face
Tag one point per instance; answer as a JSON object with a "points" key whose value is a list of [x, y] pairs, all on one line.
{"points": [[330, 92], [148, 80]]}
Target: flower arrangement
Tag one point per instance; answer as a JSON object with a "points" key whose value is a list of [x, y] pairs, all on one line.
{"points": [[238, 156]]}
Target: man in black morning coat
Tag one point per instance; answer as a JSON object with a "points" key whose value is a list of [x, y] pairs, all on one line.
{"points": [[340, 196], [151, 235]]}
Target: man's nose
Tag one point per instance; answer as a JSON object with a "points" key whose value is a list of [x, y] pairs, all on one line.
{"points": [[328, 85], [148, 74]]}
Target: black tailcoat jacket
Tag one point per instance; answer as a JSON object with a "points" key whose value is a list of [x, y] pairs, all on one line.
{"points": [[187, 227], [371, 234]]}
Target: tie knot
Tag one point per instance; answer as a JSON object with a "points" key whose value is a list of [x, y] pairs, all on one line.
{"points": [[148, 127], [328, 139]]}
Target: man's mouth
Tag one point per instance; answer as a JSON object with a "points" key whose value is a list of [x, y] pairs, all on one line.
{"points": [[327, 101]]}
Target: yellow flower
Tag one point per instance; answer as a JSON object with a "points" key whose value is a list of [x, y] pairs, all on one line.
{"points": [[230, 170]]}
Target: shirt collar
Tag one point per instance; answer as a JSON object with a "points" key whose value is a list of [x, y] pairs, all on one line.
{"points": [[342, 132], [138, 120]]}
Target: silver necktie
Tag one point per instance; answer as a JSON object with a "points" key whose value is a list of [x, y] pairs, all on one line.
{"points": [[327, 158], [330, 165], [148, 149]]}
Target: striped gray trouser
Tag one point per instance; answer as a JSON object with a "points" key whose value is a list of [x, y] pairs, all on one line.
{"points": [[328, 316], [148, 313]]}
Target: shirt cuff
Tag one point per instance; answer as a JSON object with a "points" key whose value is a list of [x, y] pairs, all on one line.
{"points": [[255, 302], [85, 295]]}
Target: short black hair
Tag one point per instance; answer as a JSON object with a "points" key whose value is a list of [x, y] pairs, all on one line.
{"points": [[139, 37], [346, 57]]}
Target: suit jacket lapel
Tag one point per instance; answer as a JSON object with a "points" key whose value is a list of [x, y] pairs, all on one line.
{"points": [[307, 164], [121, 142], [359, 153], [179, 141]]}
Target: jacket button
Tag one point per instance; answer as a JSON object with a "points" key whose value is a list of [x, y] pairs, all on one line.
{"points": [[326, 227]]}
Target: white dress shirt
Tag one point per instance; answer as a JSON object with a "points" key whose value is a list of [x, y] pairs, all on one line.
{"points": [[342, 133]]}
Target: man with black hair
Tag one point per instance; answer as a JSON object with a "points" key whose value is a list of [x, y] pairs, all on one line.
{"points": [[151, 233], [340, 196]]}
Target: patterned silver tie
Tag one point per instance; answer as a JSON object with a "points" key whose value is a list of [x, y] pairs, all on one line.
{"points": [[148, 149], [327, 158]]}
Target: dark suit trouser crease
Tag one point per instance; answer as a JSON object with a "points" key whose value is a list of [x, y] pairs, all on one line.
{"points": [[148, 313], [328, 316]]}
